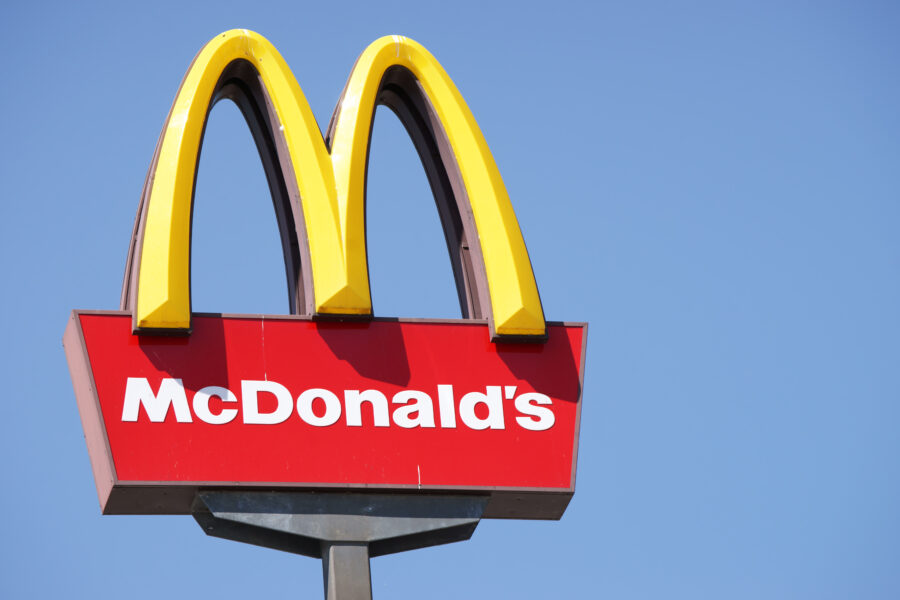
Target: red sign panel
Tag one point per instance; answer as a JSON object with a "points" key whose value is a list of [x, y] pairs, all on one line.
{"points": [[275, 402]]}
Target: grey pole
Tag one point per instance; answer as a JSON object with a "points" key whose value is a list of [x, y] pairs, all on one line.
{"points": [[343, 529], [345, 569]]}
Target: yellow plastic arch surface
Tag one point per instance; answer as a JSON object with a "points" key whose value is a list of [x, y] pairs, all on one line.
{"points": [[331, 184]]}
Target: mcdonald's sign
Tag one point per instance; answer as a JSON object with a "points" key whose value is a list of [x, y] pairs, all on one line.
{"points": [[330, 396]]}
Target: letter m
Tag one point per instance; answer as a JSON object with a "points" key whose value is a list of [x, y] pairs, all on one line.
{"points": [[171, 393]]}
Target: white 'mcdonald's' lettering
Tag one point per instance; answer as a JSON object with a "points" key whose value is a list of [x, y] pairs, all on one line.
{"points": [[201, 405], [250, 390], [322, 408], [171, 393], [539, 417]]}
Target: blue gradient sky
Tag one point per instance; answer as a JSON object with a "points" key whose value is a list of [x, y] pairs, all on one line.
{"points": [[713, 186]]}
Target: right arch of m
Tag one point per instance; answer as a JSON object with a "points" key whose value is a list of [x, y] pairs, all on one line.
{"points": [[318, 186]]}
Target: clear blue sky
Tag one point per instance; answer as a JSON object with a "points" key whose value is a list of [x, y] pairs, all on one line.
{"points": [[713, 186]]}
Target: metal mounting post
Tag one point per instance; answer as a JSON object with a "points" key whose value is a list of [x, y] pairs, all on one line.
{"points": [[345, 569], [344, 530]]}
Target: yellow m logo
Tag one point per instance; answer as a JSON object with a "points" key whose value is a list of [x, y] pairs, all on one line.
{"points": [[318, 185]]}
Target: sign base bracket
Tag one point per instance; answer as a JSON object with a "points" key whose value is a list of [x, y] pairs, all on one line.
{"points": [[343, 529]]}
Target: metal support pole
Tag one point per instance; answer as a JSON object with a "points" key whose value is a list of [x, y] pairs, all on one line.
{"points": [[345, 569], [344, 530]]}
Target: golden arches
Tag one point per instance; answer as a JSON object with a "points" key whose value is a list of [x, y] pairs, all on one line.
{"points": [[324, 183]]}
